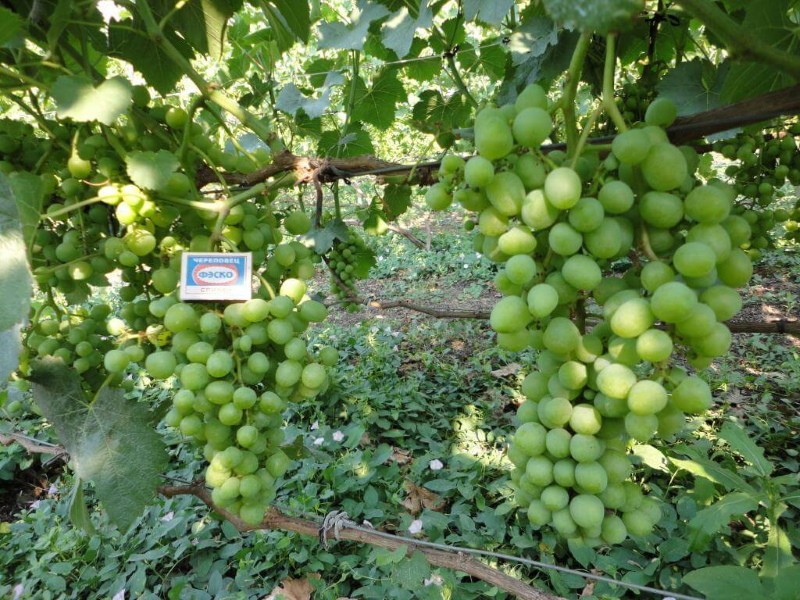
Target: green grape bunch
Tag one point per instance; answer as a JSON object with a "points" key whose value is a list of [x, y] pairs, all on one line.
{"points": [[605, 374]]}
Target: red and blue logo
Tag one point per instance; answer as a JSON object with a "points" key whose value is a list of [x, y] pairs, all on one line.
{"points": [[215, 274]]}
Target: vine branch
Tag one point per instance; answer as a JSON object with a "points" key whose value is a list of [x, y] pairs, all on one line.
{"points": [[274, 519]]}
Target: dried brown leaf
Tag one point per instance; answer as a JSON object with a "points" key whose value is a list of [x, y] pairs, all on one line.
{"points": [[419, 498], [400, 456], [509, 369], [293, 589]]}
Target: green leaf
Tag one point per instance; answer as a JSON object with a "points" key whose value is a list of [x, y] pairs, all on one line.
{"points": [[434, 114], [203, 24], [290, 99], [396, 200], [111, 441], [297, 16], [29, 194], [77, 99], [376, 106], [708, 469], [425, 68], [397, 32], [150, 170], [354, 142], [778, 553], [78, 512], [353, 36], [158, 69], [374, 224], [694, 86], [738, 439], [768, 20], [10, 25], [786, 584], [726, 583], [710, 520], [59, 19], [601, 16], [322, 239], [412, 571], [652, 457], [363, 261], [491, 13], [10, 347], [532, 39], [15, 275]]}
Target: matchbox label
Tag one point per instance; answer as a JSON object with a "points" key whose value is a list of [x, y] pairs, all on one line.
{"points": [[216, 276]]}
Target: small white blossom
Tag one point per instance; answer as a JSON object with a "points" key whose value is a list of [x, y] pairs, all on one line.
{"points": [[319, 441], [168, 517], [18, 590], [110, 10], [415, 527], [436, 465], [120, 595], [36, 504], [52, 490], [434, 579], [338, 436], [315, 426]]}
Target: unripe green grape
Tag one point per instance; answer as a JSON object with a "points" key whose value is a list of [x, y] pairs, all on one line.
{"points": [[585, 448], [670, 421], [723, 300], [532, 96], [654, 345], [587, 510], [530, 438], [572, 375], [586, 215], [554, 497], [615, 381], [438, 196], [557, 442], [115, 361], [531, 171], [509, 314], [632, 318], [631, 147], [647, 397], [581, 272], [561, 336], [199, 352], [616, 197], [654, 274], [661, 209], [562, 188], [534, 386], [161, 364], [191, 425], [661, 112], [255, 310], [491, 223], [537, 213], [493, 136], [715, 343], [517, 240], [641, 427], [506, 193], [664, 168], [180, 317], [538, 514], [564, 240], [194, 376], [554, 412], [637, 523], [606, 240], [297, 222], [673, 302], [736, 270], [532, 126], [707, 204], [585, 419], [314, 376], [313, 311], [478, 172], [528, 412], [591, 477], [613, 530], [539, 471], [616, 464]]}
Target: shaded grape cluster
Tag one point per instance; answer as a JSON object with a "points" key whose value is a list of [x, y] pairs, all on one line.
{"points": [[343, 263], [605, 375]]}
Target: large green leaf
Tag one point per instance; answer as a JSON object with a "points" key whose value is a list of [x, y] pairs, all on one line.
{"points": [[77, 99], [398, 30], [29, 194], [352, 36], [741, 443], [297, 16], [708, 469], [778, 553], [203, 23], [376, 105], [10, 347], [786, 584], [491, 13], [694, 86], [126, 41], [768, 20], [707, 522], [150, 170], [434, 113], [290, 99], [601, 16], [15, 275], [726, 583], [354, 142], [110, 440], [10, 25]]}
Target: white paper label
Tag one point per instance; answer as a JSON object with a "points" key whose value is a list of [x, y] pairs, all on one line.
{"points": [[216, 276]]}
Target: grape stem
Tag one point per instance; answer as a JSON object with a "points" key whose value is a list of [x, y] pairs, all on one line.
{"points": [[587, 129], [646, 247], [567, 101], [608, 84]]}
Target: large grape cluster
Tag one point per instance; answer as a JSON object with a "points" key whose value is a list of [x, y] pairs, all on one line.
{"points": [[235, 366], [605, 376]]}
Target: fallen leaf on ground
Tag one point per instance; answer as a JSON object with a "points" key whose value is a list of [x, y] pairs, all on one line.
{"points": [[293, 589], [419, 498], [509, 369], [401, 457]]}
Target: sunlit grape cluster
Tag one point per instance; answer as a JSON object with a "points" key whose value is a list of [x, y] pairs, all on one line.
{"points": [[606, 374]]}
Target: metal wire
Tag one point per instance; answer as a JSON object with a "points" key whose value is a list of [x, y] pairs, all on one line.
{"points": [[338, 520]]}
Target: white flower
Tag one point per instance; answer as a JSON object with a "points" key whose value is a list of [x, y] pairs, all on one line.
{"points": [[36, 504], [338, 436], [168, 517], [436, 465], [19, 589], [415, 527], [315, 426], [319, 441], [110, 10], [120, 595], [52, 490], [434, 579]]}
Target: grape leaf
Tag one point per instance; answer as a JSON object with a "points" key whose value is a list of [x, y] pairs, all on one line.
{"points": [[376, 106], [28, 194], [396, 200], [398, 31], [78, 512], [321, 239], [491, 13], [434, 114], [363, 260], [10, 25], [111, 440], [694, 86], [150, 170], [77, 99], [709, 521], [156, 67], [354, 142], [726, 583], [427, 67], [296, 15], [532, 39], [600, 16], [290, 99], [768, 21], [741, 443], [10, 347], [15, 276], [203, 23], [708, 469], [353, 36]]}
